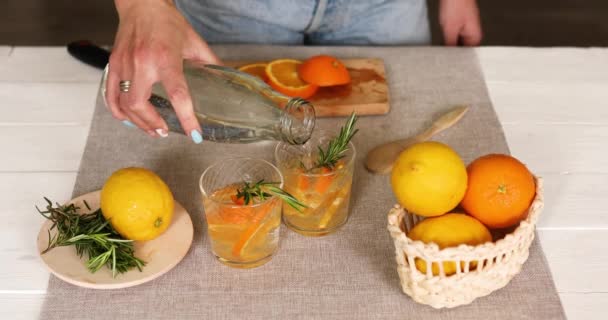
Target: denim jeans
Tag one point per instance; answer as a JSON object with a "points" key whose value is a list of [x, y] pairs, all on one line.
{"points": [[323, 22]]}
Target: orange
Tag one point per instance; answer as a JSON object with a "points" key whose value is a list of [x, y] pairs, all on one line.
{"points": [[283, 77], [256, 69], [324, 71], [500, 190]]}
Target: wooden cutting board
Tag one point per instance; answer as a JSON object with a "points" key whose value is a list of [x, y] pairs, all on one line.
{"points": [[367, 94]]}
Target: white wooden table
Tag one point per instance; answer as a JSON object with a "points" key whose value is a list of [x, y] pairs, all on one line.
{"points": [[553, 104]]}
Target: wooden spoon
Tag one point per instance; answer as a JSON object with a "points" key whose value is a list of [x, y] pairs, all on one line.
{"points": [[380, 160]]}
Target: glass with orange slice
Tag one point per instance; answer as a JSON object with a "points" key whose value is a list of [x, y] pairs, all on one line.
{"points": [[319, 174], [242, 199]]}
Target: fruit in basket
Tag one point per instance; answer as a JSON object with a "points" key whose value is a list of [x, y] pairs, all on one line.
{"points": [[283, 77], [256, 69], [449, 230], [500, 190], [429, 179], [138, 203], [324, 71]]}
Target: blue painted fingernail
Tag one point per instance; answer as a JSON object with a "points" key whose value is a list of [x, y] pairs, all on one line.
{"points": [[128, 123], [196, 136]]}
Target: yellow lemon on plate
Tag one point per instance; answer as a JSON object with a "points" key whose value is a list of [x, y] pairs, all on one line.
{"points": [[449, 230], [429, 179], [138, 203]]}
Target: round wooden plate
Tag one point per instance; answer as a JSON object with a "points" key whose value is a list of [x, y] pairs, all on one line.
{"points": [[160, 254]]}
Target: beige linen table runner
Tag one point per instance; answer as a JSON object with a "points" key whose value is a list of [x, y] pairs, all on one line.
{"points": [[348, 275]]}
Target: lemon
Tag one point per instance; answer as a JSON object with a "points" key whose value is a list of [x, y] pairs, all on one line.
{"points": [[429, 179], [449, 230], [138, 203]]}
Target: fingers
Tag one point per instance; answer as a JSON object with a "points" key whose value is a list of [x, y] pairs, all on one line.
{"points": [[132, 107], [468, 34], [135, 103], [135, 121], [177, 90], [471, 34], [459, 20], [199, 50], [450, 34], [150, 44], [112, 89]]}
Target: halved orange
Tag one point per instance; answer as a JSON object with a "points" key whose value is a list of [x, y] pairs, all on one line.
{"points": [[324, 71], [256, 69], [283, 77]]}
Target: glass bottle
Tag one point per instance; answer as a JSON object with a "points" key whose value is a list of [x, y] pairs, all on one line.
{"points": [[235, 107]]}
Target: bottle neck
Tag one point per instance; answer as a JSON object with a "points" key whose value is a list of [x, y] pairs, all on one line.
{"points": [[297, 121]]}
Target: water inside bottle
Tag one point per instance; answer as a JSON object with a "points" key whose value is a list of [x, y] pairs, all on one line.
{"points": [[235, 107]]}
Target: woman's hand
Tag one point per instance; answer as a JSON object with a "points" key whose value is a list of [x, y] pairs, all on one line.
{"points": [[459, 20], [152, 40]]}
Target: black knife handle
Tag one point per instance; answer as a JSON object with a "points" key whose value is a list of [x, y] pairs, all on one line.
{"points": [[89, 53]]}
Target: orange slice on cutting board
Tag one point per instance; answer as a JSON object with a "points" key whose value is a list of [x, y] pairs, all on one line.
{"points": [[283, 77], [256, 69], [324, 71]]}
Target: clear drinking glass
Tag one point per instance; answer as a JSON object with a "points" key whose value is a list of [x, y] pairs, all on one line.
{"points": [[241, 236], [325, 192]]}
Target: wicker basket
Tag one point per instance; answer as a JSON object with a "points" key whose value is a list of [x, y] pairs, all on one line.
{"points": [[497, 262]]}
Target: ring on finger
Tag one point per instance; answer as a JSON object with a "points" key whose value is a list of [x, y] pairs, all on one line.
{"points": [[124, 85]]}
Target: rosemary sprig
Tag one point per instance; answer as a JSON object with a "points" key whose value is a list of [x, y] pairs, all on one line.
{"points": [[337, 147], [263, 190], [90, 234]]}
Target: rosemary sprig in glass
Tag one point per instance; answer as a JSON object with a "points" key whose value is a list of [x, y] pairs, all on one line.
{"points": [[90, 234], [337, 147], [263, 190]]}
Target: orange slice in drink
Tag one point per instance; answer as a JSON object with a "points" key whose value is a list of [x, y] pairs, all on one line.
{"points": [[238, 215], [256, 69], [256, 225], [324, 181], [335, 205], [283, 77]]}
